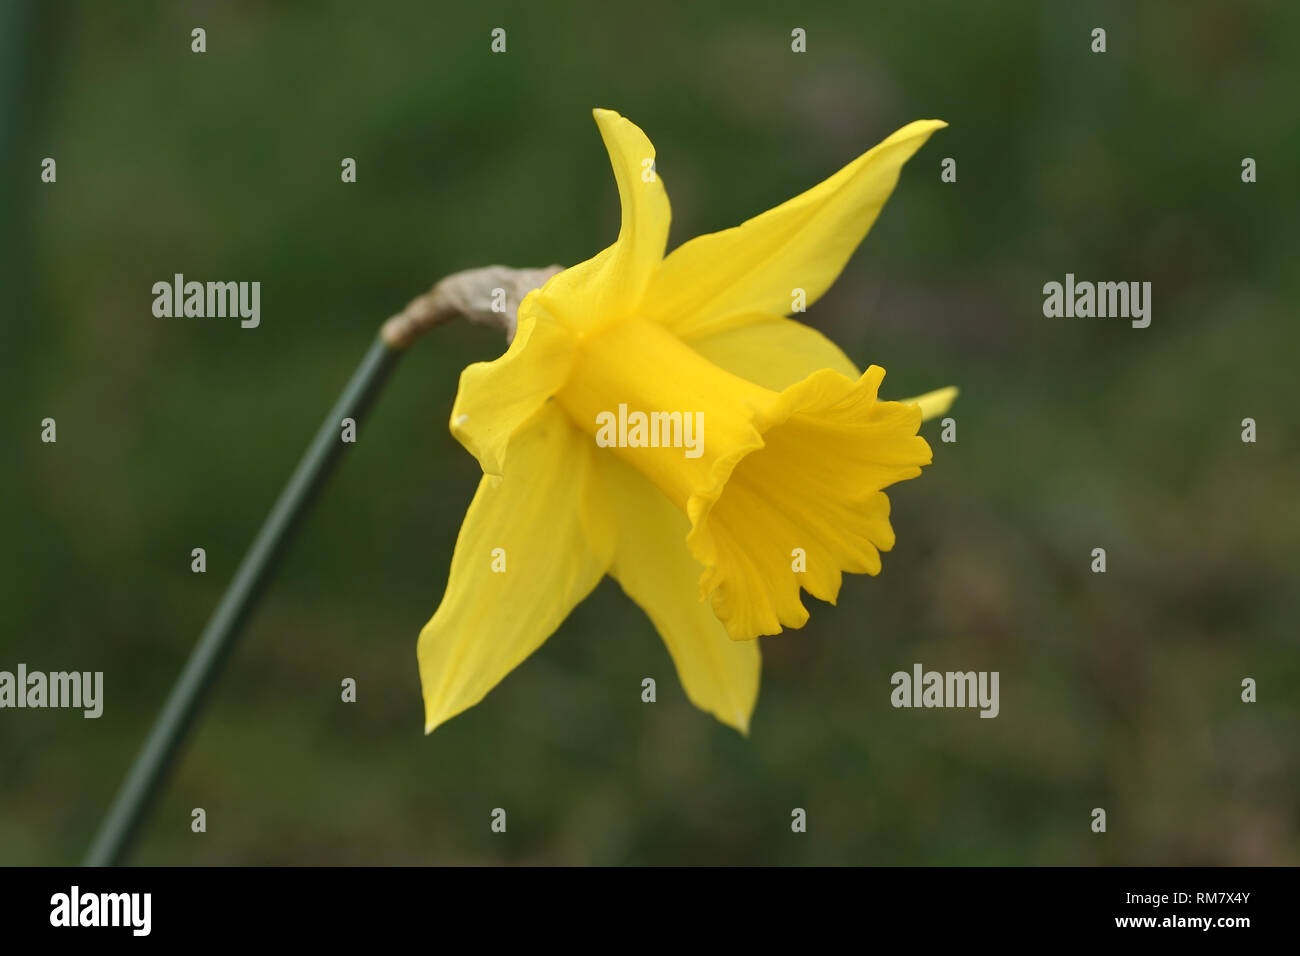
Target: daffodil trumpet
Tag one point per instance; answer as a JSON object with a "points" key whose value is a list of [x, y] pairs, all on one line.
{"points": [[784, 496]]}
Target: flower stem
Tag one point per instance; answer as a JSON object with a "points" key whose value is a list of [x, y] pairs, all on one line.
{"points": [[161, 748], [489, 295]]}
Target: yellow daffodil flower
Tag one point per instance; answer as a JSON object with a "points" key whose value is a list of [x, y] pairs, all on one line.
{"points": [[782, 489]]}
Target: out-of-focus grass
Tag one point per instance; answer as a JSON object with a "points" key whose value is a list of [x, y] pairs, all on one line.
{"points": [[1118, 690]]}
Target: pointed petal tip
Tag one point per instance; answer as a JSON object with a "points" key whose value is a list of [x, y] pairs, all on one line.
{"points": [[432, 721], [737, 720], [934, 403], [917, 129]]}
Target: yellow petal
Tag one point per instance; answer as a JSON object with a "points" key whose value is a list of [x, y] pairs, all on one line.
{"points": [[536, 524], [652, 564], [610, 285], [713, 281], [760, 473], [773, 352], [934, 403], [496, 398]]}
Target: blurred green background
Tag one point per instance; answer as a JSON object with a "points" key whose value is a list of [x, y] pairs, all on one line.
{"points": [[1119, 690]]}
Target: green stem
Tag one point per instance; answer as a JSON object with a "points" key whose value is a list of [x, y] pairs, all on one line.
{"points": [[143, 782]]}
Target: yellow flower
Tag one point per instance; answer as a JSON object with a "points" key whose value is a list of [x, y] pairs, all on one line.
{"points": [[795, 448]]}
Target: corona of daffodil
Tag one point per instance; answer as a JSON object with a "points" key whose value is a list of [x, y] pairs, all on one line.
{"points": [[783, 492]]}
